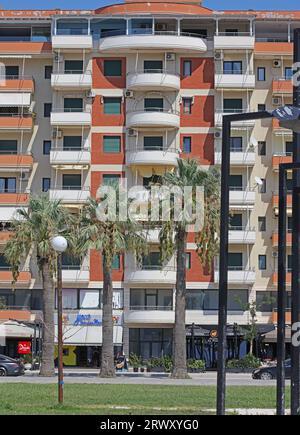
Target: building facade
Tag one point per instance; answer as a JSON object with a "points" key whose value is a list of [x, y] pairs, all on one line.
{"points": [[123, 91]]}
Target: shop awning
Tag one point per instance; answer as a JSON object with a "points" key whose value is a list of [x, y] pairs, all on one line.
{"points": [[12, 329], [271, 337], [88, 335]]}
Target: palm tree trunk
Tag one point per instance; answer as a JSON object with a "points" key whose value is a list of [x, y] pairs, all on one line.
{"points": [[107, 357], [180, 369], [47, 363]]}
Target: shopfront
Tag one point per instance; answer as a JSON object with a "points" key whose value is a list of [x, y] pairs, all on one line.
{"points": [[151, 342]]}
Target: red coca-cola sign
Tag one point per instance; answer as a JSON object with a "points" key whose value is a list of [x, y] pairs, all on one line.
{"points": [[24, 347]]}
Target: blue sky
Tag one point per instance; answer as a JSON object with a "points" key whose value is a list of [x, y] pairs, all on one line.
{"points": [[93, 4]]}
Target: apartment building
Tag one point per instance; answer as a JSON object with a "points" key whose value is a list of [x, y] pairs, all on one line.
{"points": [[123, 91]]}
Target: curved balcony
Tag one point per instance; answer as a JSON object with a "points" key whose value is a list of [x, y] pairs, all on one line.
{"points": [[167, 275], [70, 157], [140, 314], [155, 156], [147, 39], [154, 117], [153, 80], [72, 80]]}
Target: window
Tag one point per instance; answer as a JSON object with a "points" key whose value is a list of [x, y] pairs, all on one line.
{"points": [[290, 224], [235, 261], [149, 181], [232, 67], [150, 342], [112, 105], [266, 301], [289, 263], [232, 105], [261, 107], [153, 143], [187, 144], [151, 261], [236, 221], [262, 148], [262, 223], [289, 147], [261, 74], [153, 104], [288, 73], [187, 105], [232, 32], [8, 146], [48, 72], [12, 72], [46, 147], [47, 110], [89, 299], [111, 144], [69, 262], [187, 68], [73, 104], [263, 187], [262, 262], [8, 185], [71, 181], [151, 299], [70, 299], [72, 143], [236, 144], [112, 68], [236, 182], [188, 260], [289, 184], [154, 66], [4, 265], [111, 179], [46, 183], [73, 66], [116, 262]]}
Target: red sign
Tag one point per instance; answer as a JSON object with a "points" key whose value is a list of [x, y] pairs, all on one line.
{"points": [[24, 347]]}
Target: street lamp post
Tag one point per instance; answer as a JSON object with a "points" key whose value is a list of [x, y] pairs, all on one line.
{"points": [[59, 244]]}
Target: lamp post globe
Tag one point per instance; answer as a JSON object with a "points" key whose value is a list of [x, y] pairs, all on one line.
{"points": [[59, 243]]}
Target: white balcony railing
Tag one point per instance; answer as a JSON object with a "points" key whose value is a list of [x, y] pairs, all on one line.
{"points": [[70, 117], [153, 117], [161, 80]]}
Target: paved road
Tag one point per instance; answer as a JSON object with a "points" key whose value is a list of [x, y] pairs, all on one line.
{"points": [[90, 377]]}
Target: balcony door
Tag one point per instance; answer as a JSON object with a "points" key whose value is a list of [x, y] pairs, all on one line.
{"points": [[236, 222], [236, 182], [233, 105], [235, 261], [153, 66], [154, 104], [152, 143], [71, 181], [8, 185], [71, 143], [73, 104]]}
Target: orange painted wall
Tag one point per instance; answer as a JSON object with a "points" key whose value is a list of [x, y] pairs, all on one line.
{"points": [[101, 119], [96, 179], [100, 81], [99, 157], [203, 74], [96, 271], [203, 112], [202, 148], [198, 272]]}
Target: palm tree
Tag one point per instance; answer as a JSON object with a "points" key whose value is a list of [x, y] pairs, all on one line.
{"points": [[173, 239], [110, 237], [32, 233]]}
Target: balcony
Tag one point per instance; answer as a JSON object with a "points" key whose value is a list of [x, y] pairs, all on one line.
{"points": [[139, 314], [70, 195], [20, 313], [158, 118], [238, 276], [275, 238], [277, 129], [71, 80], [70, 158], [5, 235], [153, 80], [288, 278], [19, 198], [17, 84], [241, 81], [6, 277], [158, 157], [238, 158], [238, 124], [72, 39], [288, 317], [16, 122], [282, 86], [70, 118], [147, 39], [277, 47], [16, 162], [234, 41], [277, 159], [153, 275], [75, 275], [241, 196], [242, 235]]}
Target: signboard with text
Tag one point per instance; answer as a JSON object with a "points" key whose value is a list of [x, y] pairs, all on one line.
{"points": [[24, 347]]}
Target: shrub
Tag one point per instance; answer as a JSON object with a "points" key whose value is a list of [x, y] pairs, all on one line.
{"points": [[135, 360], [196, 364], [248, 362]]}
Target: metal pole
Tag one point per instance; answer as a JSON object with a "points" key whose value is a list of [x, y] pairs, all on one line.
{"points": [[223, 268], [60, 330], [295, 350], [282, 227]]}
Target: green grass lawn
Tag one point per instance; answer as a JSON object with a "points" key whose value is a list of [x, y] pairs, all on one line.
{"points": [[137, 399]]}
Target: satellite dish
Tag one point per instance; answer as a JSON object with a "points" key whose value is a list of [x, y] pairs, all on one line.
{"points": [[253, 142], [258, 181]]}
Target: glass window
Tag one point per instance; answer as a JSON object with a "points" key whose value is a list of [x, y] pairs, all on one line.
{"points": [[236, 221], [153, 104], [236, 182], [152, 261], [232, 105], [73, 66], [72, 142], [8, 146], [89, 298], [289, 263], [37, 299], [263, 187], [153, 66], [235, 261], [70, 299], [188, 260], [8, 185], [48, 72], [69, 262], [111, 179], [4, 265], [118, 299], [112, 105], [266, 301], [153, 142], [262, 223], [187, 105], [232, 32], [23, 298], [46, 184], [261, 74], [289, 147], [261, 107], [290, 224], [289, 185], [112, 68], [111, 144], [195, 299], [262, 262], [232, 67], [187, 68], [288, 73], [237, 300], [46, 147], [236, 144], [73, 104], [187, 144], [47, 110], [116, 262], [262, 148], [12, 72], [71, 181], [211, 300]]}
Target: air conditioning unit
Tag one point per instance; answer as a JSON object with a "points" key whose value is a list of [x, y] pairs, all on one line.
{"points": [[57, 134], [161, 27], [277, 101], [131, 132], [274, 254], [129, 94], [276, 63], [24, 176], [90, 94], [218, 134], [218, 55], [170, 56]]}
